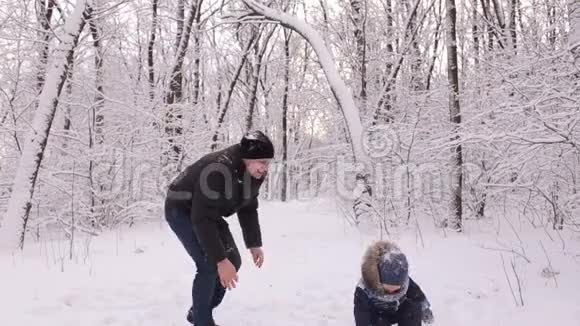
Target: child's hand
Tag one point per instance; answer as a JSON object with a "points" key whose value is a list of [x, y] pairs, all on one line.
{"points": [[428, 316]]}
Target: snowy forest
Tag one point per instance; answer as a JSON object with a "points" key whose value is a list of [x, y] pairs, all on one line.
{"points": [[400, 109], [451, 127]]}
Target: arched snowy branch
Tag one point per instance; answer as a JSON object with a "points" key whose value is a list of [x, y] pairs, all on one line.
{"points": [[341, 92], [362, 205]]}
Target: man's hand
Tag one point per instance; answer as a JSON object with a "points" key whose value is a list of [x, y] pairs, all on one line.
{"points": [[258, 256], [227, 273]]}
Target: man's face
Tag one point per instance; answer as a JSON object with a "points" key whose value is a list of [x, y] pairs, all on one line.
{"points": [[257, 168]]}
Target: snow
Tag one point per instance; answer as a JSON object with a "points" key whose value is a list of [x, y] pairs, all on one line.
{"points": [[142, 276], [252, 136], [388, 257], [12, 223]]}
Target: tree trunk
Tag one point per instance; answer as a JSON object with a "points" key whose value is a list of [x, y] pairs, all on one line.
{"points": [[415, 52], [475, 33], [323, 7], [68, 92], [359, 10], [252, 76], [383, 107], [256, 67], [485, 6], [520, 15], [99, 100], [512, 24], [175, 93], [385, 102], [173, 120], [139, 58], [223, 110], [574, 39], [44, 12], [499, 15], [551, 23], [180, 22], [435, 48], [455, 117], [287, 36], [96, 134], [13, 228], [502, 31], [150, 47], [91, 175], [197, 60]]}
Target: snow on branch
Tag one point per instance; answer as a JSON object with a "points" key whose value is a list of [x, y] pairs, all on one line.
{"points": [[339, 89]]}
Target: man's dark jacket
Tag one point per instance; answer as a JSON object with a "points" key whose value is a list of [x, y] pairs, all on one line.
{"points": [[217, 186]]}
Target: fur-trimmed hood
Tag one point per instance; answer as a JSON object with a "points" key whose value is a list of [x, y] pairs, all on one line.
{"points": [[370, 264]]}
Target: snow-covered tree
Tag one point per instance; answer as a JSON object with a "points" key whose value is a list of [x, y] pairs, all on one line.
{"points": [[13, 228], [455, 116], [348, 82]]}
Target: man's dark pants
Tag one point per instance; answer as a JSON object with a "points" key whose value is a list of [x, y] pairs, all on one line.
{"points": [[207, 291]]}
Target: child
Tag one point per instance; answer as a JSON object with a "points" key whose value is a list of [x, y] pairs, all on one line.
{"points": [[386, 295]]}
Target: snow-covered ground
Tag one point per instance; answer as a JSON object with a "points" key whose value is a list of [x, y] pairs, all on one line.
{"points": [[142, 276]]}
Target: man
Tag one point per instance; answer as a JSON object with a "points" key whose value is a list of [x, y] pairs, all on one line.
{"points": [[386, 295], [217, 186]]}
